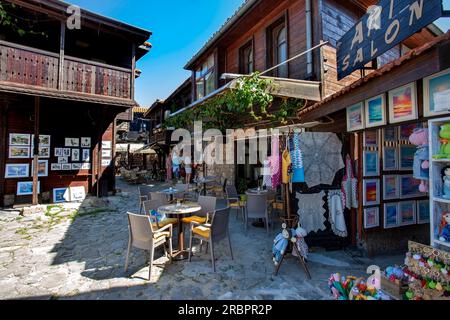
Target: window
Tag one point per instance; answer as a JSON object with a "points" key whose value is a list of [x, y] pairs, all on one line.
{"points": [[205, 78], [246, 59], [278, 48]]}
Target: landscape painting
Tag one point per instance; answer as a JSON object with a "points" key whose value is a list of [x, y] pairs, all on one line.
{"points": [[409, 187], [406, 156], [371, 164], [375, 112], [371, 218], [437, 94], [407, 213], [390, 187], [390, 159], [390, 215], [403, 104], [19, 170], [355, 117], [26, 188], [371, 190], [18, 152], [19, 139]]}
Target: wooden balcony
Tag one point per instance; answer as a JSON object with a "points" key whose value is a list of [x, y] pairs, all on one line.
{"points": [[37, 71]]}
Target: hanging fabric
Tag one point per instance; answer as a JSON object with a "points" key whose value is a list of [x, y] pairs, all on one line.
{"points": [[336, 213], [311, 211], [275, 160], [349, 186], [286, 166], [298, 172], [267, 178]]}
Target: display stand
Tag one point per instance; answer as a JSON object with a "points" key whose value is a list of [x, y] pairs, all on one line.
{"points": [[438, 204]]}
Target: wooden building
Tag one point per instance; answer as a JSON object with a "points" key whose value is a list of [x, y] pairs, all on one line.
{"points": [[65, 86]]}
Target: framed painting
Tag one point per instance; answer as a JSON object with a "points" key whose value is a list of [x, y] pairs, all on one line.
{"points": [[77, 193], [407, 213], [44, 152], [403, 104], [19, 152], [75, 154], [106, 162], [371, 192], [42, 168], [390, 187], [406, 130], [55, 167], [371, 138], [72, 142], [371, 218], [106, 153], [86, 155], [76, 166], [375, 111], [390, 215], [66, 167], [423, 211], [409, 187], [19, 139], [44, 140], [371, 164], [355, 117], [26, 188], [406, 157], [17, 170], [106, 144], [390, 159], [390, 134], [436, 94], [85, 142], [67, 152], [63, 160], [59, 152], [61, 195], [86, 166]]}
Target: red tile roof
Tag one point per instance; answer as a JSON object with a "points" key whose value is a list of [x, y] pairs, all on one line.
{"points": [[380, 72]]}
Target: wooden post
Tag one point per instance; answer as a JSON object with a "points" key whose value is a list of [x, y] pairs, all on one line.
{"points": [[36, 150], [133, 71], [3, 139], [360, 186], [61, 56]]}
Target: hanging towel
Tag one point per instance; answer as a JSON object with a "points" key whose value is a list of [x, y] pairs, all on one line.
{"points": [[275, 161], [286, 166], [298, 172], [336, 213], [349, 186], [267, 178], [311, 211]]}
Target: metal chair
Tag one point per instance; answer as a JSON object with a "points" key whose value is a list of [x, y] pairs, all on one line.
{"points": [[212, 233], [144, 237], [256, 208], [234, 200], [208, 205], [144, 192]]}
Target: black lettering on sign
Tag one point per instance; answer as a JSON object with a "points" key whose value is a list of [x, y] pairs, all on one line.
{"points": [[386, 25]]}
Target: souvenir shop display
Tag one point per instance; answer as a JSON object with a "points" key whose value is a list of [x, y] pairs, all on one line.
{"points": [[353, 288], [444, 140], [311, 211], [446, 184], [394, 281], [322, 157], [61, 195], [421, 164], [336, 213], [275, 163], [444, 228], [297, 157]]}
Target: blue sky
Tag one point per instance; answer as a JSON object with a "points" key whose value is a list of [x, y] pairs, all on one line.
{"points": [[180, 28]]}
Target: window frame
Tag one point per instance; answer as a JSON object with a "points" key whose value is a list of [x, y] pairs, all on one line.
{"points": [[243, 58], [201, 76], [272, 53]]}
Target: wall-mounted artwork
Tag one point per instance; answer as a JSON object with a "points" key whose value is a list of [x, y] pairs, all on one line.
{"points": [[17, 170], [85, 142], [106, 162], [106, 153], [371, 138], [42, 168], [59, 152], [77, 193], [407, 213], [76, 166], [106, 144], [390, 159], [390, 134], [72, 142], [436, 94], [371, 218], [406, 157], [67, 152], [55, 167], [371, 164], [423, 211], [355, 117], [403, 104], [371, 192], [61, 195], [66, 167], [19, 139], [86, 155], [44, 140], [19, 152], [406, 130], [63, 160], [376, 111], [390, 187], [86, 166], [44, 152], [390, 215], [75, 154], [26, 188], [409, 187]]}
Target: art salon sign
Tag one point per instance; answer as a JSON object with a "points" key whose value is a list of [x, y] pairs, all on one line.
{"points": [[382, 28]]}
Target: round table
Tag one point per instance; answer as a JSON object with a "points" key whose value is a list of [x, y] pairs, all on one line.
{"points": [[180, 211], [170, 192]]}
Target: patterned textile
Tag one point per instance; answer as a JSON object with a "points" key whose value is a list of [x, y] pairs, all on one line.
{"points": [[267, 178], [275, 163], [297, 160], [311, 211], [336, 213], [286, 167], [349, 186]]}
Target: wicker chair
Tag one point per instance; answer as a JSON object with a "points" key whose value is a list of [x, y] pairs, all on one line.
{"points": [[208, 205], [256, 208], [144, 192], [151, 205], [234, 201]]}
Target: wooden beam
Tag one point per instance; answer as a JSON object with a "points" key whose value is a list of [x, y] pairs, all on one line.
{"points": [[62, 41], [36, 149], [133, 70]]}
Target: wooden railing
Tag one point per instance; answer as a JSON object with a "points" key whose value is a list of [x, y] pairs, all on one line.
{"points": [[160, 137], [38, 68]]}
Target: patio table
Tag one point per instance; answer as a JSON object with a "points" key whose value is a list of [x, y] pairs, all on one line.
{"points": [[180, 211], [170, 192]]}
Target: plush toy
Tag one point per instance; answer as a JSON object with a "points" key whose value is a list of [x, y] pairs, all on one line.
{"points": [[421, 166], [298, 238], [444, 234], [446, 180], [280, 245], [444, 134]]}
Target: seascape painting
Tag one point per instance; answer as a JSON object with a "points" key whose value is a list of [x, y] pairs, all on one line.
{"points": [[407, 213], [390, 215], [355, 117], [375, 112], [403, 104], [437, 93]]}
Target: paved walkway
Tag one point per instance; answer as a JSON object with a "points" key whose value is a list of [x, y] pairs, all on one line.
{"points": [[78, 251]]}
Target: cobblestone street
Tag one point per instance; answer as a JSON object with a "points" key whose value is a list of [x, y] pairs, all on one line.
{"points": [[78, 252]]}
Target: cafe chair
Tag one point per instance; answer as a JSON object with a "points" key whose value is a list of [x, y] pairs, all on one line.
{"points": [[151, 205], [234, 200], [144, 192], [208, 205], [183, 189], [158, 196], [212, 233], [143, 236], [256, 208]]}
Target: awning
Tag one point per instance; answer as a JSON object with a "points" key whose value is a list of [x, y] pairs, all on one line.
{"points": [[123, 147], [283, 88], [145, 150]]}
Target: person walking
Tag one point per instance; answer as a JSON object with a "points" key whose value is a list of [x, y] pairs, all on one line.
{"points": [[188, 169], [176, 161]]}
